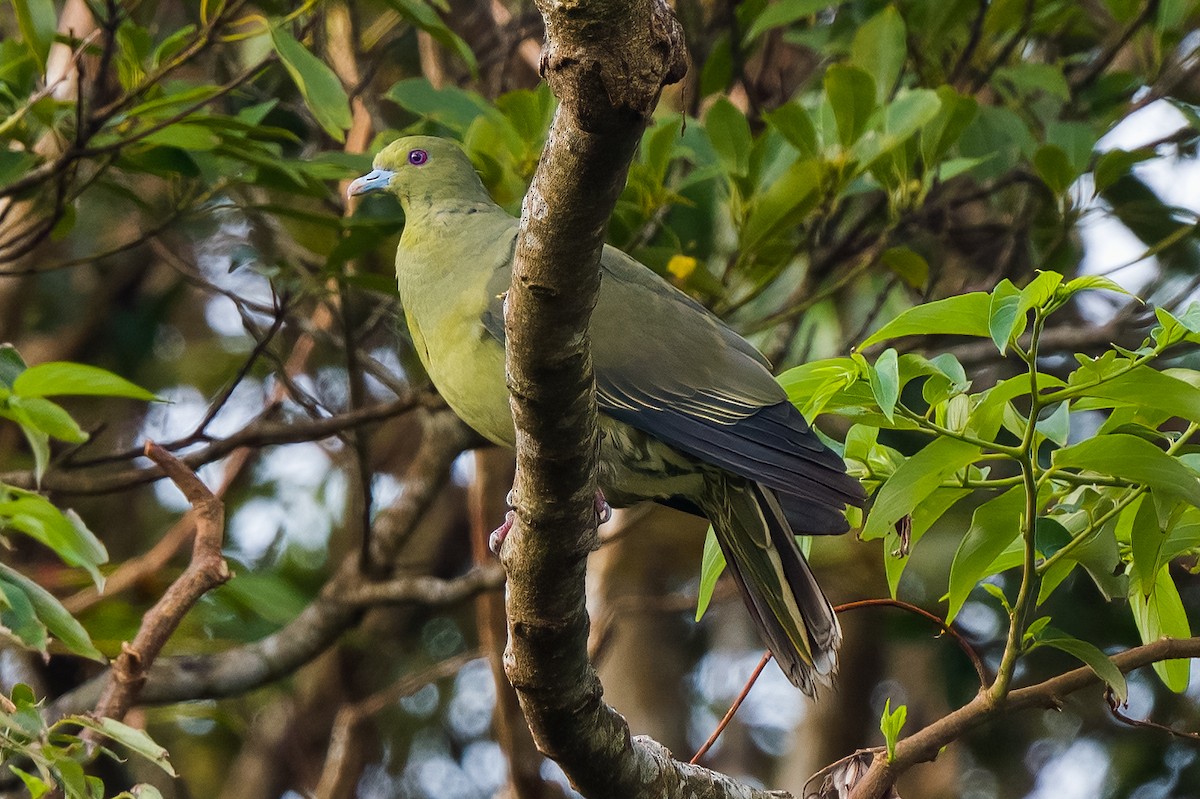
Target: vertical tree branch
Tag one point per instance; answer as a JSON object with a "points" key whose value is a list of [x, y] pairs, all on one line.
{"points": [[607, 62]]}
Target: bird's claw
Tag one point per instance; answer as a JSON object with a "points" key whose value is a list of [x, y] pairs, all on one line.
{"points": [[604, 511], [496, 539]]}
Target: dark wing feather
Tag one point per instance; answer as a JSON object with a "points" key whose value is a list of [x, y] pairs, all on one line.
{"points": [[668, 367]]}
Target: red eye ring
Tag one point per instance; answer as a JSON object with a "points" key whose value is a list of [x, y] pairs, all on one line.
{"points": [[417, 157]]}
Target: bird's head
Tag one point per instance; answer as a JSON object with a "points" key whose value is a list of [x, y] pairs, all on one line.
{"points": [[421, 167]]}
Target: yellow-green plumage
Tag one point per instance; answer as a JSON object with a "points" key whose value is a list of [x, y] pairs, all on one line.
{"points": [[690, 414]]}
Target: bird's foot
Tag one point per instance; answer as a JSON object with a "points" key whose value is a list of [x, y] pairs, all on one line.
{"points": [[496, 539], [604, 513]]}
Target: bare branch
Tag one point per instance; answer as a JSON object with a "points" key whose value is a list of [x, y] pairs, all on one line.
{"points": [[335, 781], [925, 744], [425, 590], [607, 62], [206, 571], [244, 668], [262, 432]]}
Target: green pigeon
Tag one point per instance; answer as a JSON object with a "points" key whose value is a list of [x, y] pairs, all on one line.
{"points": [[689, 412]]}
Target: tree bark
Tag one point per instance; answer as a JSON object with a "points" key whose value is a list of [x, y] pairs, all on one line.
{"points": [[607, 62]]}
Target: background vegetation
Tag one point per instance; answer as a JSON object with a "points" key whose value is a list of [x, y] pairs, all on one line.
{"points": [[171, 184]]}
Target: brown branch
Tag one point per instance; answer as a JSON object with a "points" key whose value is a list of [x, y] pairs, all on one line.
{"points": [[607, 63], [337, 778], [206, 571], [839, 609], [424, 589], [260, 433], [244, 668], [1114, 707], [135, 570], [925, 744], [963, 643], [733, 709], [1102, 61]]}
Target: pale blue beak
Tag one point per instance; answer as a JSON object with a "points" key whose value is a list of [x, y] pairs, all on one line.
{"points": [[372, 181]]}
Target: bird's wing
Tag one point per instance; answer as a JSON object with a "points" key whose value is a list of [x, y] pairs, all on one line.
{"points": [[668, 367]]}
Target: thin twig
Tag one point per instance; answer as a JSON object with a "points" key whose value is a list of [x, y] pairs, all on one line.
{"points": [[206, 571], [334, 775], [1114, 707], [946, 628], [737, 703]]}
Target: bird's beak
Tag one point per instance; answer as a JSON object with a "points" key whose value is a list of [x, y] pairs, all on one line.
{"points": [[372, 181]]}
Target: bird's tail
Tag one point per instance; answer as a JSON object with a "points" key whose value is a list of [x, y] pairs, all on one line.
{"points": [[790, 610]]}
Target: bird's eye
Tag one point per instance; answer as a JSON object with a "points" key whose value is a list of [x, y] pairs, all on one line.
{"points": [[417, 157]]}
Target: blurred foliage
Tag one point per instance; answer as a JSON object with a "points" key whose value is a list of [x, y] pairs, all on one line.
{"points": [[56, 756], [829, 174]]}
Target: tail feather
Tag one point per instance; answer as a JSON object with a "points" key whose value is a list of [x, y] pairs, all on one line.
{"points": [[788, 607]]}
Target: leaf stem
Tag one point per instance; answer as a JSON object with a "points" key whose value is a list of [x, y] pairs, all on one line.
{"points": [[1029, 576], [933, 428]]}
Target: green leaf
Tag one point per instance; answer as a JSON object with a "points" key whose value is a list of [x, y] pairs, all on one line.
{"points": [[795, 124], [185, 137], [1146, 539], [1162, 615], [908, 265], [1040, 293], [810, 386], [890, 725], [1029, 78], [1090, 655], [851, 93], [36, 786], [37, 21], [1056, 426], [924, 516], [1002, 314], [943, 131], [783, 202], [784, 12], [58, 378], [63, 532], [1134, 459], [146, 791], [13, 166], [880, 47], [424, 17], [712, 563], [1144, 387], [61, 624], [898, 121], [994, 525], [730, 135], [717, 72], [1076, 139], [46, 416], [885, 382], [1115, 164], [962, 315], [318, 85], [19, 616], [11, 365], [39, 445], [1050, 535], [998, 135], [135, 740], [916, 479], [1054, 168], [1092, 282]]}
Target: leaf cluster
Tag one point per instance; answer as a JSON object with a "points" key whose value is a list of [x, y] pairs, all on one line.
{"points": [[1094, 471]]}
